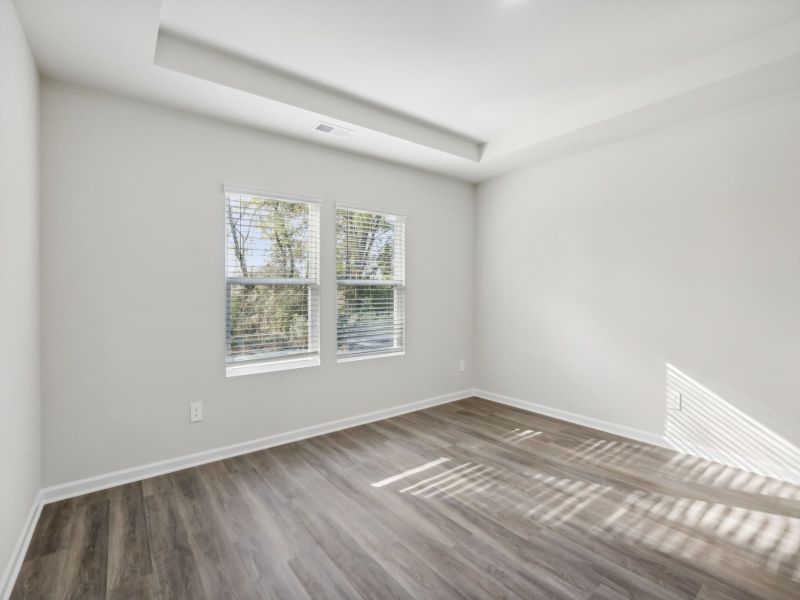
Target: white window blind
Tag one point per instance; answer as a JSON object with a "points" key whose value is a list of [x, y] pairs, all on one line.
{"points": [[272, 277], [370, 272]]}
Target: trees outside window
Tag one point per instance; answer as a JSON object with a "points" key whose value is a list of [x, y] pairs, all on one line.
{"points": [[370, 272], [272, 277]]}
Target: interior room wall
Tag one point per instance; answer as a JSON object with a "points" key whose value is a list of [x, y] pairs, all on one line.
{"points": [[133, 292], [615, 283], [19, 282]]}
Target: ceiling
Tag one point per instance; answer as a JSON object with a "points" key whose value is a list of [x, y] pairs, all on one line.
{"points": [[467, 88]]}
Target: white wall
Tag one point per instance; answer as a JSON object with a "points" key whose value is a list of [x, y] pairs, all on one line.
{"points": [[132, 304], [19, 282], [682, 248]]}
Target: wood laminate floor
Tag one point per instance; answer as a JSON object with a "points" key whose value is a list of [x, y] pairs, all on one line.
{"points": [[466, 500]]}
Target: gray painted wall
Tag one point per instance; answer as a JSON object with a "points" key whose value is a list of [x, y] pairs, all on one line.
{"points": [[133, 293], [19, 281], [610, 282]]}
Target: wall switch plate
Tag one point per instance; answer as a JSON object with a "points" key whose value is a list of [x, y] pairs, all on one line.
{"points": [[195, 412], [462, 365]]}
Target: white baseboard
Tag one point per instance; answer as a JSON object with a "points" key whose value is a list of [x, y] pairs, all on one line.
{"points": [[20, 548], [607, 426], [107, 480]]}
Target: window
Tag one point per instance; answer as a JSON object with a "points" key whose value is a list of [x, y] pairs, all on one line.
{"points": [[272, 282], [370, 272]]}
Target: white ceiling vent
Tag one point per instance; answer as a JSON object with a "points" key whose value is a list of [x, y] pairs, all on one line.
{"points": [[333, 130]]}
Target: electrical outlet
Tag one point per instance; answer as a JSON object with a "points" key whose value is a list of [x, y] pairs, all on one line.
{"points": [[195, 412], [676, 402], [462, 365]]}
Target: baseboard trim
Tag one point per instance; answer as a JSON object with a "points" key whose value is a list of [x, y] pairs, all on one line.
{"points": [[638, 435], [123, 476], [9, 577]]}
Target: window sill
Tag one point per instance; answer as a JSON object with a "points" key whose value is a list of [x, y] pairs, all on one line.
{"points": [[269, 366], [358, 357]]}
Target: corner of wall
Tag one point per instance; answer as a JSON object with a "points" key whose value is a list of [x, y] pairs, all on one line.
{"points": [[20, 349]]}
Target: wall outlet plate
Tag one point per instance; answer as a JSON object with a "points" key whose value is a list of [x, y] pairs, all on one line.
{"points": [[195, 412], [462, 365]]}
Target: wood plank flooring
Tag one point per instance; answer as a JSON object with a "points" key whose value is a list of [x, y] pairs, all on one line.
{"points": [[467, 500]]}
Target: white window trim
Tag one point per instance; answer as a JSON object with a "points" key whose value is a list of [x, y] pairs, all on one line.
{"points": [[262, 193], [283, 363], [370, 355], [371, 208], [272, 365]]}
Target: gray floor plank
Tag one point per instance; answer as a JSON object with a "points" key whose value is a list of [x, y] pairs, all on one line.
{"points": [[470, 499]]}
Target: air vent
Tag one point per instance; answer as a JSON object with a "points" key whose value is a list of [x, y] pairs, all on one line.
{"points": [[333, 130]]}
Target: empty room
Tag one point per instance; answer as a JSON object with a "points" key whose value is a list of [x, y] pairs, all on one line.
{"points": [[420, 299]]}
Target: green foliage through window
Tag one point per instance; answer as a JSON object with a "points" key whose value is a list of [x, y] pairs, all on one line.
{"points": [[271, 277], [370, 270]]}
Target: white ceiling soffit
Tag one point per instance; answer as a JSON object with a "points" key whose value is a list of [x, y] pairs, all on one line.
{"points": [[128, 47], [217, 65]]}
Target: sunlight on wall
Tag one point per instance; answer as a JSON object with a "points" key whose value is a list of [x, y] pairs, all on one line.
{"points": [[709, 427]]}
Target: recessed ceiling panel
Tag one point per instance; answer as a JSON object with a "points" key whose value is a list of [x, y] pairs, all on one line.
{"points": [[477, 67]]}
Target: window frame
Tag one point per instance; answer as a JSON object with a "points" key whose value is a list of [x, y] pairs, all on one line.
{"points": [[398, 284], [289, 361]]}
